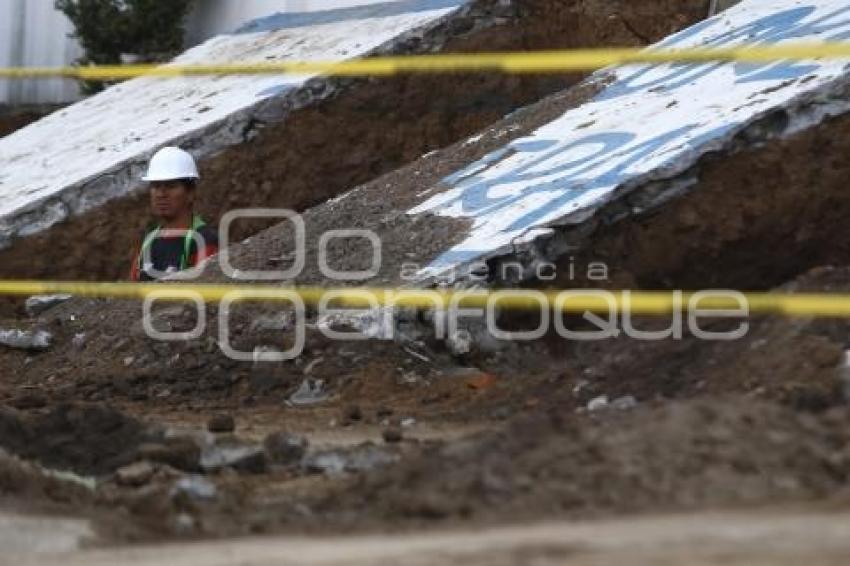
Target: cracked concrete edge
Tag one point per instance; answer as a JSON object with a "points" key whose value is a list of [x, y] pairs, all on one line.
{"points": [[649, 191], [243, 125]]}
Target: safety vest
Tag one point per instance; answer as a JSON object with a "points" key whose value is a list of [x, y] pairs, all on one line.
{"points": [[152, 235]]}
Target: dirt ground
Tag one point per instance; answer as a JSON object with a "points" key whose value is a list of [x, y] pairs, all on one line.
{"points": [[618, 451]]}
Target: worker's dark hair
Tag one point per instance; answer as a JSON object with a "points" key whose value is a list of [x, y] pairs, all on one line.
{"points": [[190, 183]]}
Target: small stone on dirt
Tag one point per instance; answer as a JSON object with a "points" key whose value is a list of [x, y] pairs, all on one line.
{"points": [[194, 487], [37, 304], [248, 458], [135, 475], [221, 423], [597, 403]]}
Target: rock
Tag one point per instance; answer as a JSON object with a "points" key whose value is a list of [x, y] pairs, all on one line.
{"points": [[393, 434], [597, 403], [407, 422], [136, 474], [362, 458], [310, 392], [194, 487], [248, 458], [285, 448], [221, 423], [30, 400], [37, 304], [26, 340]]}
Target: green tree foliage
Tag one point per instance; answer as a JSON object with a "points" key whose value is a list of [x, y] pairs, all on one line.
{"points": [[150, 29]]}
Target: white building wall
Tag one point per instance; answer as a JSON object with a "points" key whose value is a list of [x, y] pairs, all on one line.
{"points": [[34, 33], [213, 17]]}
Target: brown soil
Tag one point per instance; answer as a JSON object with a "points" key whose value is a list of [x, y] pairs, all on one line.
{"points": [[376, 126], [502, 436], [673, 456]]}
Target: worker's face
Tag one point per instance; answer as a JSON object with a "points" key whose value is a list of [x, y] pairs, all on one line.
{"points": [[171, 199]]}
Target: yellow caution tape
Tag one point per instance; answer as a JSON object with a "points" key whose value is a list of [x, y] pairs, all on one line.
{"points": [[523, 62], [567, 301]]}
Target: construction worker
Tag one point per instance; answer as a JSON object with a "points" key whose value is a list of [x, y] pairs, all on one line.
{"points": [[179, 239]]}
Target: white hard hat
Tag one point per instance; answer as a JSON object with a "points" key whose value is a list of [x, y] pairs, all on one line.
{"points": [[171, 163]]}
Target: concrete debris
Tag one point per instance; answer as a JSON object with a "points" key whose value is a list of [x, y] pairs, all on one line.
{"points": [[310, 392], [377, 324], [38, 304], [249, 458], [194, 487], [25, 339], [359, 459], [597, 403], [284, 448]]}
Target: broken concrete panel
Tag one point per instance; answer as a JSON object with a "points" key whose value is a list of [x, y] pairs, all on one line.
{"points": [[95, 150], [25, 339], [644, 131]]}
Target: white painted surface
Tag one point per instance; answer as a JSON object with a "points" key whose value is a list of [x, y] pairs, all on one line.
{"points": [[650, 123], [33, 33], [95, 150], [209, 18]]}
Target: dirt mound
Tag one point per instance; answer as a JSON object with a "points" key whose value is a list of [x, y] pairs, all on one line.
{"points": [[678, 455], [25, 481], [88, 439]]}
